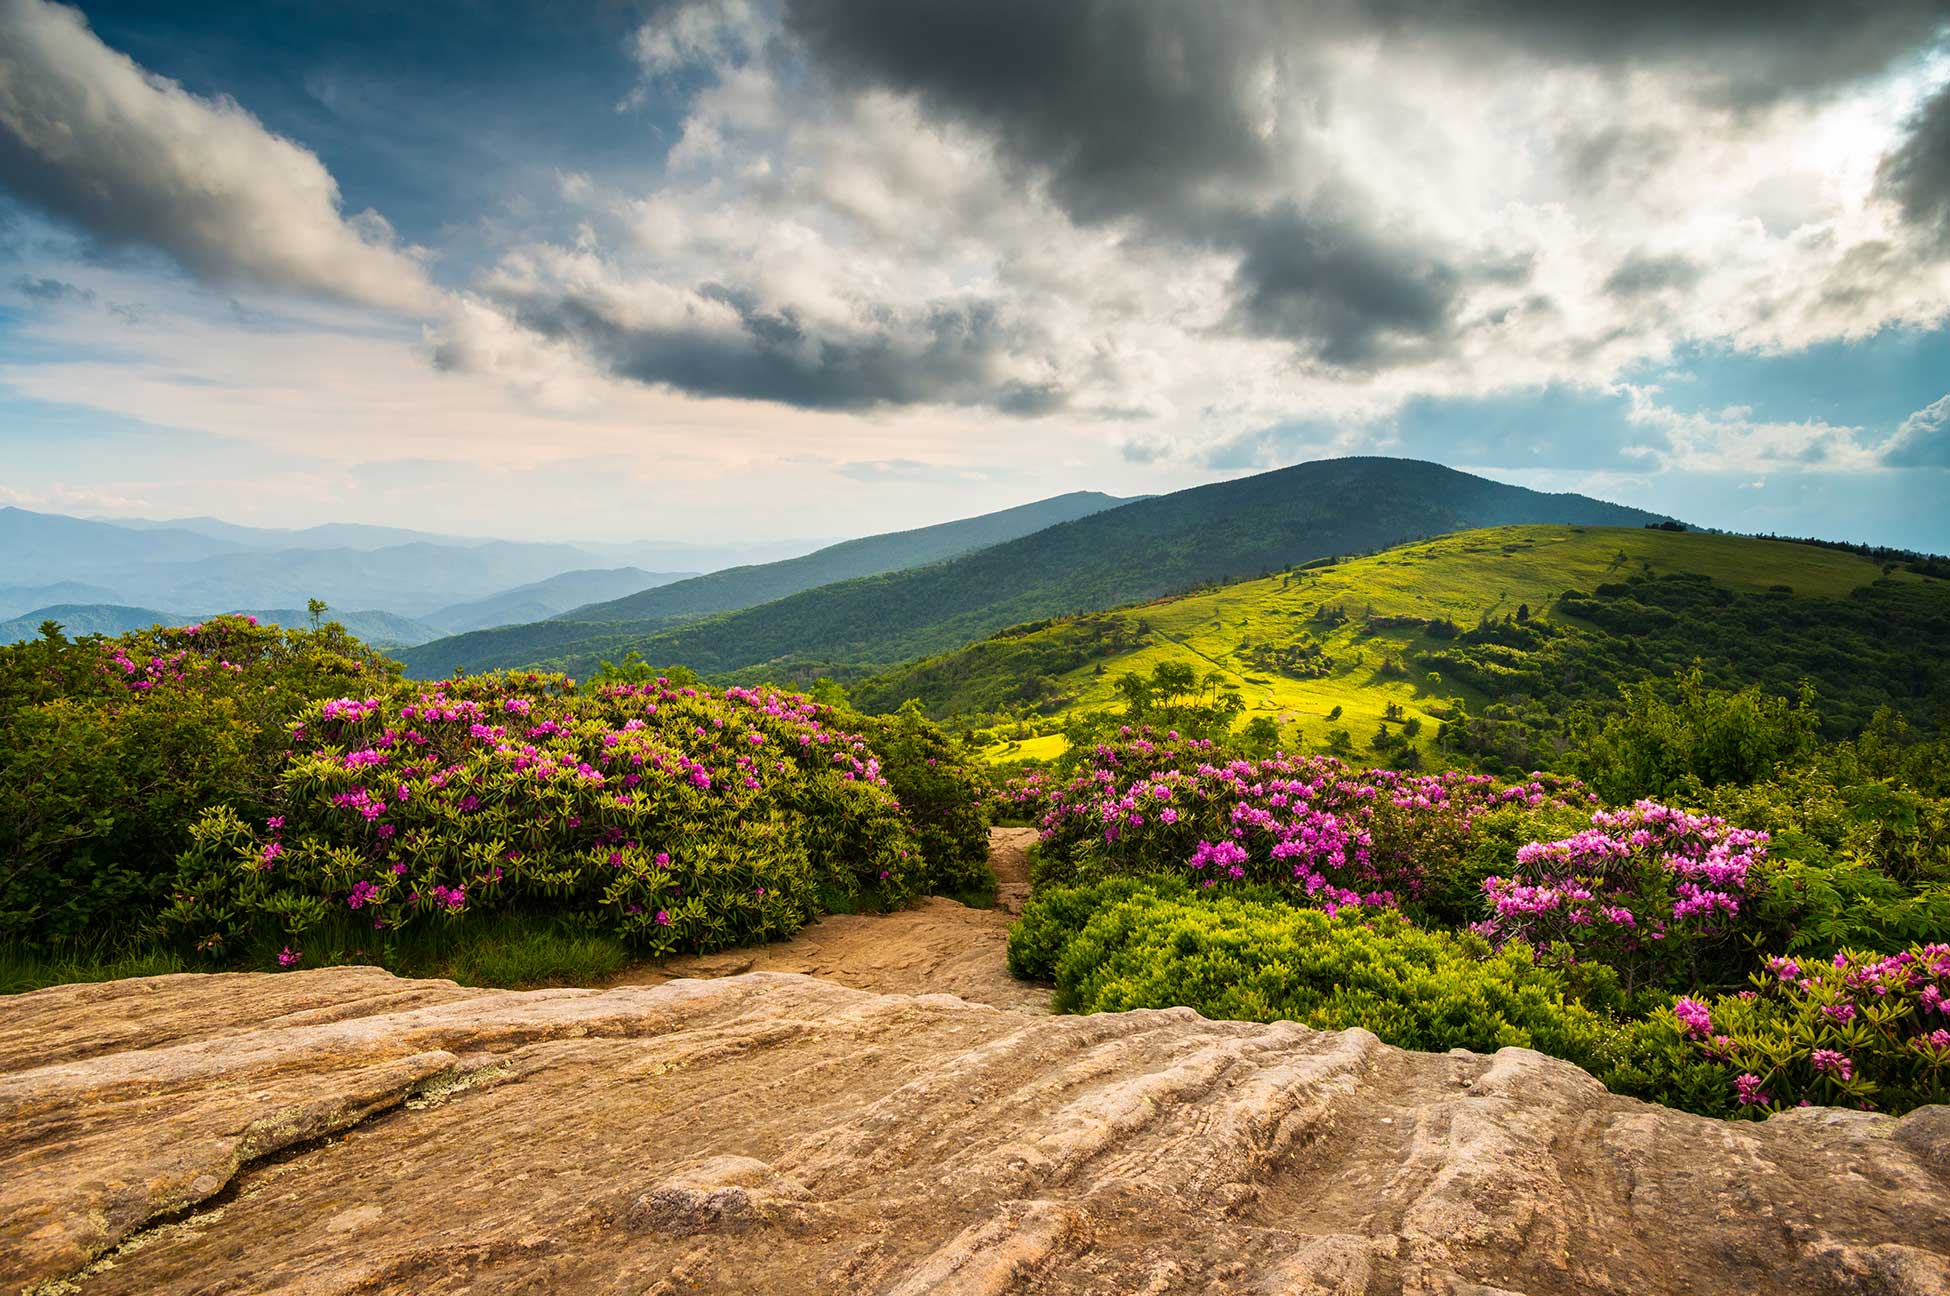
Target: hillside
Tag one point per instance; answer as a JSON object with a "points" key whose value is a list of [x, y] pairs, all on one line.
{"points": [[79, 619], [1145, 549], [539, 600], [602, 628], [1406, 627]]}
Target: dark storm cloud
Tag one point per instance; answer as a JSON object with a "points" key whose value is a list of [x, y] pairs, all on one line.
{"points": [[949, 355], [1642, 273], [1747, 50], [1157, 111], [1163, 113], [1357, 298], [1128, 102], [1917, 173]]}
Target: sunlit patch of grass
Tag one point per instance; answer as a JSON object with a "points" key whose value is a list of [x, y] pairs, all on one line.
{"points": [[508, 952], [1041, 747], [1462, 577], [527, 959]]}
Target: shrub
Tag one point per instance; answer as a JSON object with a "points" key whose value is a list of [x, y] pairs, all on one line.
{"points": [[115, 747], [1853, 861], [1328, 834], [1052, 915], [1667, 733], [944, 790], [1255, 960], [1655, 892], [667, 818], [1859, 1030]]}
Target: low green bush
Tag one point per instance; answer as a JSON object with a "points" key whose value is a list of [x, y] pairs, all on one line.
{"points": [[1054, 914], [1259, 960], [944, 791]]}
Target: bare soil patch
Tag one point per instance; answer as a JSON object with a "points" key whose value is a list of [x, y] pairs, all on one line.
{"points": [[936, 947]]}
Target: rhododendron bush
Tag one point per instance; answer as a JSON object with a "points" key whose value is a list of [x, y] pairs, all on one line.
{"points": [[673, 817], [1655, 892], [1855, 1030], [114, 747], [1334, 836], [1617, 912]]}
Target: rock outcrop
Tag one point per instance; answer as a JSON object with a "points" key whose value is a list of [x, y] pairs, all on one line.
{"points": [[347, 1131]]}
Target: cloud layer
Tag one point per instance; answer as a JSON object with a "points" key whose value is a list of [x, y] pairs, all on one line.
{"points": [[136, 161], [1099, 208], [936, 242]]}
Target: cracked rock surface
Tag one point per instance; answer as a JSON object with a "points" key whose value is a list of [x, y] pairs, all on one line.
{"points": [[343, 1130]]}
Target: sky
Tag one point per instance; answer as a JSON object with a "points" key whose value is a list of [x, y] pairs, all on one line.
{"points": [[756, 270]]}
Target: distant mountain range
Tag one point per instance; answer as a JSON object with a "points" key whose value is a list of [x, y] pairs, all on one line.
{"points": [[204, 565], [1105, 558], [685, 555], [17, 599], [743, 587], [408, 587]]}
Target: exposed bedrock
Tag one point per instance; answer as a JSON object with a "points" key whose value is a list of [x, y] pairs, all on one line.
{"points": [[348, 1131]]}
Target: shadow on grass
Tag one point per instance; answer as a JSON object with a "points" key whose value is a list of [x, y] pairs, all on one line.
{"points": [[505, 952]]}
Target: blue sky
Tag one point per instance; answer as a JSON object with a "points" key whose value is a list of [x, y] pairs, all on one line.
{"points": [[760, 269]]}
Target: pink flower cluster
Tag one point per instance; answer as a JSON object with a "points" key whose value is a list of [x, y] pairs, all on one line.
{"points": [[1637, 880], [1344, 838], [1860, 1028]]}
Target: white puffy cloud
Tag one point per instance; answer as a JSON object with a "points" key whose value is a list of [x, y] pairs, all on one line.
{"points": [[133, 159], [1923, 440]]}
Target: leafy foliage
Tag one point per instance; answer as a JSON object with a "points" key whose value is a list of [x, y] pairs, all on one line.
{"points": [[1329, 835], [1171, 872], [943, 790], [1257, 960], [1860, 1030], [1667, 735], [1655, 893], [115, 747], [1881, 645]]}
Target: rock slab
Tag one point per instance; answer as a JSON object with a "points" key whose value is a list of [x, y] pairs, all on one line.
{"points": [[344, 1131]]}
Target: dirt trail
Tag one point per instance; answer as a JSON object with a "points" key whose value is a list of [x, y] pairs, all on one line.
{"points": [[937, 947]]}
